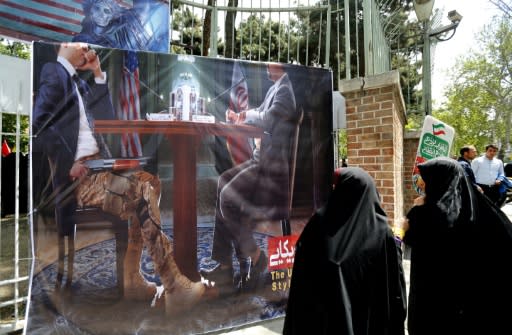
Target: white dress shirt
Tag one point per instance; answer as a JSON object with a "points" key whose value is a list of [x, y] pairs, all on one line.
{"points": [[86, 144], [487, 170]]}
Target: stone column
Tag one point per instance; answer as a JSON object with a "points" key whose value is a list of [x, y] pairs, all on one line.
{"points": [[375, 129]]}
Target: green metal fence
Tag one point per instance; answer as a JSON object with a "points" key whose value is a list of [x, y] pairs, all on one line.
{"points": [[352, 38]]}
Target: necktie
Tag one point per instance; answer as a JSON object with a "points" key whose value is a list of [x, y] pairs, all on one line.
{"points": [[81, 85], [83, 89]]}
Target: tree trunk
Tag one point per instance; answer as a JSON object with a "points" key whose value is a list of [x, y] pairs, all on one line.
{"points": [[207, 27], [229, 31]]}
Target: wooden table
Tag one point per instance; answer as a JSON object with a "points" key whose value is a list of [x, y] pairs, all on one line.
{"points": [[184, 139]]}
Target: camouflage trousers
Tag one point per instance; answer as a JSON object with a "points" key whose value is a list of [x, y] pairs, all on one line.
{"points": [[133, 195]]}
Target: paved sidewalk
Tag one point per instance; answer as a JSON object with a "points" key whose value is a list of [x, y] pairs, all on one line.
{"points": [[507, 209], [272, 327]]}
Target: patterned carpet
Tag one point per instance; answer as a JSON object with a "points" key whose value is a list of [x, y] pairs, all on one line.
{"points": [[92, 306]]}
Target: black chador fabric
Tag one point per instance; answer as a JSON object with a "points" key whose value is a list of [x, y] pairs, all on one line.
{"points": [[461, 257], [347, 276]]}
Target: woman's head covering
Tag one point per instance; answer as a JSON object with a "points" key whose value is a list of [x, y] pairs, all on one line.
{"points": [[461, 244], [347, 273], [354, 219], [448, 191]]}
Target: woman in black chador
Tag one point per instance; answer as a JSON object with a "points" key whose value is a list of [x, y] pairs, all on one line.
{"points": [[347, 276], [461, 257]]}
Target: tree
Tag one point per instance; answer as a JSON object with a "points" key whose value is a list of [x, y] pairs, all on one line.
{"points": [[342, 143], [479, 104], [190, 27], [505, 6], [301, 39], [207, 27], [260, 38], [402, 37], [15, 49], [229, 30]]}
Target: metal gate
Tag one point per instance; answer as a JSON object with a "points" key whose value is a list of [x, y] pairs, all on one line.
{"points": [[351, 37], [15, 239]]}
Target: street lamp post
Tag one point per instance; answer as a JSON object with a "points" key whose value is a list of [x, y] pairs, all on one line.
{"points": [[427, 70], [423, 9]]}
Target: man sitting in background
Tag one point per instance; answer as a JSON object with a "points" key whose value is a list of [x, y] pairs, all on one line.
{"points": [[64, 110]]}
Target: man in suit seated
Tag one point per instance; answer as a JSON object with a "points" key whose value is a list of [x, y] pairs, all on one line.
{"points": [[62, 117], [256, 188]]}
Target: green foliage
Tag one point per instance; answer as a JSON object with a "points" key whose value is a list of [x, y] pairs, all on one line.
{"points": [[406, 62], [479, 100], [261, 39], [9, 128], [414, 121], [15, 49], [190, 26], [342, 143], [301, 37]]}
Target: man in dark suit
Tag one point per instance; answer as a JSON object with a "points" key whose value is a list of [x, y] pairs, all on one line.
{"points": [[258, 187], [467, 154], [64, 109]]}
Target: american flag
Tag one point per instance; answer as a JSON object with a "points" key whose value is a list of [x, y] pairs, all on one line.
{"points": [[128, 107], [46, 20]]}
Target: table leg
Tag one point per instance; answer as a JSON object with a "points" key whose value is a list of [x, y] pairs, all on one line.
{"points": [[184, 204]]}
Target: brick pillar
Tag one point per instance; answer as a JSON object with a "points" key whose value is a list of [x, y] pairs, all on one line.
{"points": [[375, 127]]}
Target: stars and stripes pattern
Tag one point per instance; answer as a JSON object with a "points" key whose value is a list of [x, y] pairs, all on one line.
{"points": [[129, 104], [46, 20]]}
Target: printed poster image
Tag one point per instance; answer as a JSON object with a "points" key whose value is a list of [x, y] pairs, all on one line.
{"points": [[149, 170], [123, 24], [435, 141]]}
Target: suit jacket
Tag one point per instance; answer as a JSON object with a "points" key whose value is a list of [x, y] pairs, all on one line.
{"points": [[279, 119], [467, 169], [55, 129]]}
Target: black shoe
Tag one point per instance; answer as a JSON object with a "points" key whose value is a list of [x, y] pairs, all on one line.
{"points": [[251, 274]]}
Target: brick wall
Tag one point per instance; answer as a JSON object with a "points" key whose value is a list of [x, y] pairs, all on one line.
{"points": [[375, 130]]}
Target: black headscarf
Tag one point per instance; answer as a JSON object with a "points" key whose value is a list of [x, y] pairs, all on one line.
{"points": [[354, 219], [448, 192], [347, 275], [461, 256]]}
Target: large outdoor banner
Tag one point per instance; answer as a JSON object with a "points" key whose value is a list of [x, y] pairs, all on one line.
{"points": [[190, 226], [124, 24]]}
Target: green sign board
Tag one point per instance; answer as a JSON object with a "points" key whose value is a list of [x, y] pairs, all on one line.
{"points": [[432, 146]]}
